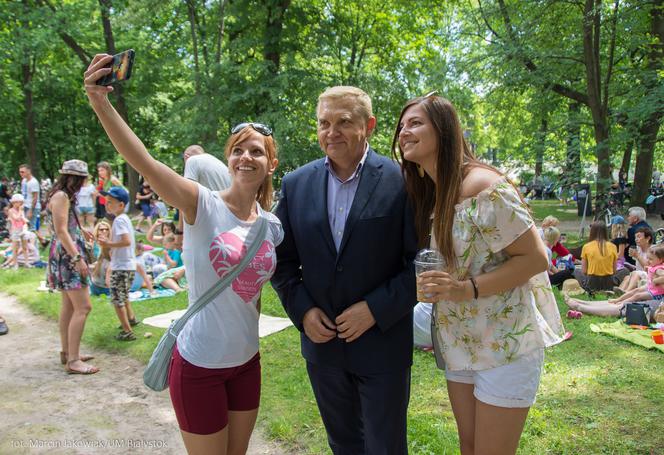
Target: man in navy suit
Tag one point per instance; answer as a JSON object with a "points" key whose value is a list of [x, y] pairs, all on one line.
{"points": [[346, 279]]}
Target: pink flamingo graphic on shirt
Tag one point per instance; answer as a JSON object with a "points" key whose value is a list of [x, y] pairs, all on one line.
{"points": [[227, 250]]}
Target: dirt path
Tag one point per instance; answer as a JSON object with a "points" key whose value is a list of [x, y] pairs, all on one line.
{"points": [[44, 410]]}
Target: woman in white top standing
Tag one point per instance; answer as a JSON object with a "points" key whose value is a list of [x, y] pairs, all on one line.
{"points": [[214, 377], [495, 312], [85, 206]]}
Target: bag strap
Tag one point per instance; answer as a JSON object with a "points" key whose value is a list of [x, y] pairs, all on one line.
{"points": [[261, 227]]}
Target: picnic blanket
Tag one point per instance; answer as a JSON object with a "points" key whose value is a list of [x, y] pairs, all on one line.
{"points": [[618, 329], [267, 325], [144, 294]]}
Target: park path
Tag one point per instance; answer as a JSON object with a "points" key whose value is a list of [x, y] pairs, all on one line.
{"points": [[45, 410]]}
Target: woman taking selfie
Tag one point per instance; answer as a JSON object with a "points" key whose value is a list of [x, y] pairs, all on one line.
{"points": [[67, 270], [214, 378], [493, 306]]}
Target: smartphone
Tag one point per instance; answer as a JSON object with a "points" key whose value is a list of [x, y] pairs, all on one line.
{"points": [[121, 65]]}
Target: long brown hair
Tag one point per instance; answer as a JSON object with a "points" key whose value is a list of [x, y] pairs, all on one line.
{"points": [[599, 233], [264, 195], [454, 160], [69, 184]]}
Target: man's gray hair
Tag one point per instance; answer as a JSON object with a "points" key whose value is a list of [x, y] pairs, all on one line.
{"points": [[638, 212]]}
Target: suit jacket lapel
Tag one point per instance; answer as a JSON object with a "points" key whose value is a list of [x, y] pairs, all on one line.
{"points": [[371, 174], [318, 192]]}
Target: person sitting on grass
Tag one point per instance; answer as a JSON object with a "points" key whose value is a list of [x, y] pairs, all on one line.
{"points": [[556, 276], [173, 278], [123, 260], [33, 253], [644, 239], [142, 278], [653, 291], [598, 260], [619, 239], [165, 227], [558, 247]]}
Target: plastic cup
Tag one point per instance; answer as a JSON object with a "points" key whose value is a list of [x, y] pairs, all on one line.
{"points": [[657, 336], [425, 261]]}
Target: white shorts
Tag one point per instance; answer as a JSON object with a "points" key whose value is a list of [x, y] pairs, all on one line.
{"points": [[508, 386], [17, 236]]}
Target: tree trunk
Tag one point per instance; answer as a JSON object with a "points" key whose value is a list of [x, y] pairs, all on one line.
{"points": [[118, 89], [649, 128], [540, 147], [627, 156], [26, 81], [276, 9], [591, 30], [573, 155]]}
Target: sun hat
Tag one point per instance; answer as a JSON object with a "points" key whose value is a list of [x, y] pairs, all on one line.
{"points": [[17, 198], [617, 219], [75, 167], [572, 287], [117, 192]]}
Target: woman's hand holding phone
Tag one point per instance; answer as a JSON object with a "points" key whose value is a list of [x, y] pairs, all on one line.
{"points": [[97, 94]]}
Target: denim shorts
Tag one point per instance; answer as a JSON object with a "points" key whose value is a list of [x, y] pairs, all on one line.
{"points": [[513, 385], [85, 210]]}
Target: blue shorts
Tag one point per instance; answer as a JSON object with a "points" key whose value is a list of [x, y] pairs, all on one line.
{"points": [[85, 210]]}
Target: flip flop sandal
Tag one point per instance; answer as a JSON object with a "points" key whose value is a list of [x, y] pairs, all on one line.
{"points": [[89, 369], [84, 358], [567, 336]]}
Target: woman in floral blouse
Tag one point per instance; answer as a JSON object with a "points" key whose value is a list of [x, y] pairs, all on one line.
{"points": [[494, 310]]}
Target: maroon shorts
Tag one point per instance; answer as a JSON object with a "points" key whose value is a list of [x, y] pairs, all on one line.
{"points": [[202, 397]]}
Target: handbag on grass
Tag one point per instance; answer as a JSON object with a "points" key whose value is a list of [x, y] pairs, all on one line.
{"points": [[155, 375]]}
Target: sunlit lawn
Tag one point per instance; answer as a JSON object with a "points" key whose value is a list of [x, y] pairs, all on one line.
{"points": [[598, 394]]}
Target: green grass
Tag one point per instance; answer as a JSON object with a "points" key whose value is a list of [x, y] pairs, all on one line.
{"points": [[541, 209], [598, 395]]}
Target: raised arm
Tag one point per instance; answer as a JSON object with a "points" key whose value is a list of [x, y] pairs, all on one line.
{"points": [[173, 188]]}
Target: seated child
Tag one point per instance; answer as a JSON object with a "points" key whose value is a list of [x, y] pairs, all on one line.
{"points": [[174, 277]]}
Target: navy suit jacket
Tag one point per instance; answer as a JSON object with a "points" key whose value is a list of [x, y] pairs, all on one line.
{"points": [[374, 263]]}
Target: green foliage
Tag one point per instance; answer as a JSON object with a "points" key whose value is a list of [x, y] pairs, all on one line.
{"points": [[202, 66]]}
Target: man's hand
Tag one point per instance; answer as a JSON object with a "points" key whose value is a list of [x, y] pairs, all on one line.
{"points": [[29, 214], [317, 326], [354, 321]]}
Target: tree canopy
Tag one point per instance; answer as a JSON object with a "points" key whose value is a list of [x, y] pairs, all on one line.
{"points": [[549, 85]]}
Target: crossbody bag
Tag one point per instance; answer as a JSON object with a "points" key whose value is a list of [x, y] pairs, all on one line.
{"points": [[155, 375]]}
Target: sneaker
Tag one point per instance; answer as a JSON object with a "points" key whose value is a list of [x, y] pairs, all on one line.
{"points": [[132, 323], [125, 336]]}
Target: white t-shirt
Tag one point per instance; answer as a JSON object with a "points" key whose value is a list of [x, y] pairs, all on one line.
{"points": [[31, 186], [123, 258], [224, 333], [422, 325], [208, 171], [84, 196]]}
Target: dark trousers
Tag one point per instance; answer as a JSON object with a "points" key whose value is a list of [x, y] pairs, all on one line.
{"points": [[363, 414]]}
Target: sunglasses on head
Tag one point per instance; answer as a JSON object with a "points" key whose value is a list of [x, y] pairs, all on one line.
{"points": [[263, 129], [431, 93]]}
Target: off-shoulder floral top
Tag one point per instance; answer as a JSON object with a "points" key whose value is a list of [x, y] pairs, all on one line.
{"points": [[495, 330]]}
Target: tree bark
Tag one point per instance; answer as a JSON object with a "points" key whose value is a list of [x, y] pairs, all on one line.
{"points": [[598, 110], [118, 89], [573, 155], [26, 81], [648, 130], [27, 71], [276, 9]]}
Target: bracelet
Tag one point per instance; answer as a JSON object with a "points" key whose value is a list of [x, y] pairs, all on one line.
{"points": [[475, 291], [76, 258]]}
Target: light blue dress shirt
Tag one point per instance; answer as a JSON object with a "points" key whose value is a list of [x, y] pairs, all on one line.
{"points": [[340, 195]]}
